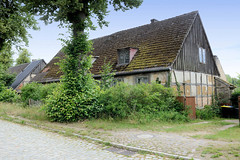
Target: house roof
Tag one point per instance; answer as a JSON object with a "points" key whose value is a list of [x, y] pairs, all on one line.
{"points": [[230, 85], [25, 72], [158, 45], [18, 69]]}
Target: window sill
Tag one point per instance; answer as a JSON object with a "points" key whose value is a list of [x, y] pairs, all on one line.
{"points": [[124, 64]]}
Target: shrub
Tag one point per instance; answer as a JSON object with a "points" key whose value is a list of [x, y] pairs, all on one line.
{"points": [[8, 95], [123, 100], [36, 91], [30, 91], [64, 107], [208, 112], [47, 90]]}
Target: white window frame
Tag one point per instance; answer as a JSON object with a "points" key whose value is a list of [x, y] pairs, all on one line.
{"points": [[125, 53]]}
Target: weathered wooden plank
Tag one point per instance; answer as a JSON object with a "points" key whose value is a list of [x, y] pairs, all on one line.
{"points": [[188, 58]]}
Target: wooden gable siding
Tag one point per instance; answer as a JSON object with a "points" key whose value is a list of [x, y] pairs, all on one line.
{"points": [[188, 59]]}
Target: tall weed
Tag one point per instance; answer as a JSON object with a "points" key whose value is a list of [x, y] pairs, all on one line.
{"points": [[141, 101], [208, 112]]}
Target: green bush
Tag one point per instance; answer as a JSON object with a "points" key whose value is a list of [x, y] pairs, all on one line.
{"points": [[47, 90], [36, 91], [8, 95], [30, 91], [234, 97], [208, 112], [64, 107], [77, 93], [123, 101]]}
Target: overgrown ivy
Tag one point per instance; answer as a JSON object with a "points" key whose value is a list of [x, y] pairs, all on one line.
{"points": [[77, 93]]}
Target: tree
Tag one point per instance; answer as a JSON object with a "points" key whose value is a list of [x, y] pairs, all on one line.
{"points": [[234, 81], [24, 57], [76, 97], [14, 22], [6, 78], [6, 59]]}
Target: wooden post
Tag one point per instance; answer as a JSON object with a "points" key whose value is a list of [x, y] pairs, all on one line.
{"points": [[239, 109]]}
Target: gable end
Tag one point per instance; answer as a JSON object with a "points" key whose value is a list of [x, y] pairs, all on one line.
{"points": [[189, 58]]}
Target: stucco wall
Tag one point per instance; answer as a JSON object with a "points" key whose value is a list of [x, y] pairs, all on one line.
{"points": [[131, 79]]}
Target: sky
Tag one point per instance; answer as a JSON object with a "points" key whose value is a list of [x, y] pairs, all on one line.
{"points": [[220, 18]]}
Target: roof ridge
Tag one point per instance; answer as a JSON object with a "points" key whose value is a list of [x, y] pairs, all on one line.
{"points": [[159, 21], [19, 65]]}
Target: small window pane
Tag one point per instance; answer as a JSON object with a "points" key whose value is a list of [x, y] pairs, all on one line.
{"points": [[200, 55], [124, 56], [142, 80], [121, 58], [204, 55]]}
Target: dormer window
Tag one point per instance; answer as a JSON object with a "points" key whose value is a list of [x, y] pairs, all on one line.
{"points": [[123, 56], [202, 55], [126, 55]]}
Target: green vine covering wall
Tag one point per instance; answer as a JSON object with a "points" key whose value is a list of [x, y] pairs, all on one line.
{"points": [[75, 97]]}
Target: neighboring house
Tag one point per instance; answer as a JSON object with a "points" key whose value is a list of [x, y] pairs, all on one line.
{"points": [[222, 87], [220, 69], [25, 72], [174, 51]]}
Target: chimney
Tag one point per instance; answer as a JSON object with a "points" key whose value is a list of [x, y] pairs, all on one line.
{"points": [[153, 21], [34, 60]]}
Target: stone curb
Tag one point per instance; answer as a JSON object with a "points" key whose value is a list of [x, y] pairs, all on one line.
{"points": [[130, 148]]}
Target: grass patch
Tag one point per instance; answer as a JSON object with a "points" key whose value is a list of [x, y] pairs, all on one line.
{"points": [[224, 152], [33, 113], [230, 134], [191, 127], [92, 127]]}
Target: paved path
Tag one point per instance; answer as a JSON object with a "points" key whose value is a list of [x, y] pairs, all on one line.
{"points": [[23, 142]]}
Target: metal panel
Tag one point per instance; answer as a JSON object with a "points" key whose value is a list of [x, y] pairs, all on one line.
{"points": [[21, 76]]}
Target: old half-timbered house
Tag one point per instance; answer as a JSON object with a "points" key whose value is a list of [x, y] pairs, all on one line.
{"points": [[174, 51]]}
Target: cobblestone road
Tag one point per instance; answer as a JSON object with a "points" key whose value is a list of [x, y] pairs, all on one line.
{"points": [[23, 142]]}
